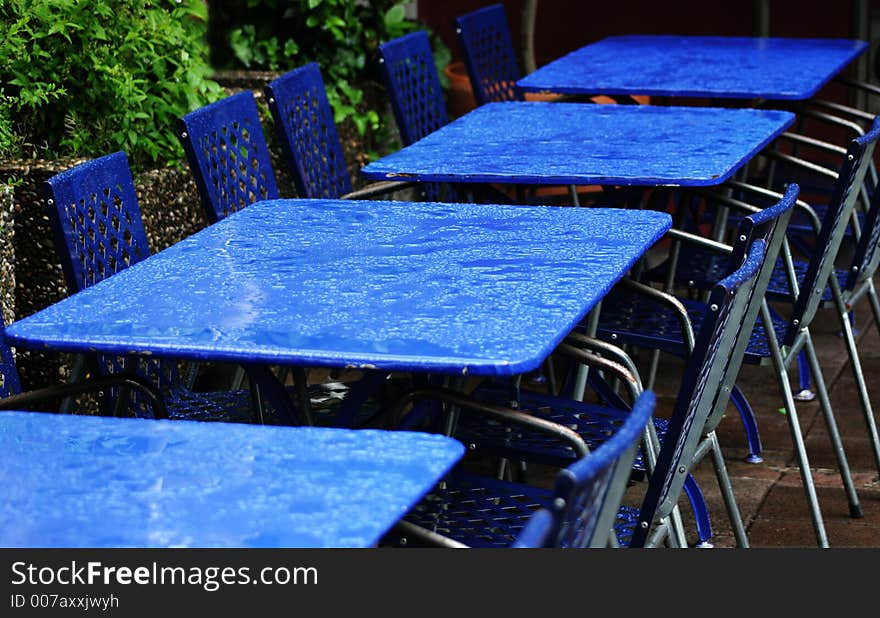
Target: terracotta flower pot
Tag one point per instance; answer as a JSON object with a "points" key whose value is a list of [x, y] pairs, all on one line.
{"points": [[461, 94]]}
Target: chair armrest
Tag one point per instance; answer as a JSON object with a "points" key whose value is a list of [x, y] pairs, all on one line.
{"points": [[802, 163], [593, 360], [603, 347], [802, 205], [61, 391], [832, 119], [865, 87], [405, 528], [811, 141], [844, 109], [672, 302], [379, 188], [510, 415]]}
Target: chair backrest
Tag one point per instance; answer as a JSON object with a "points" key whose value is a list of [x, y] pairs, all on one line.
{"points": [[228, 155], [840, 207], [716, 357], [10, 382], [407, 67], [96, 220], [98, 229], [489, 55], [307, 133], [866, 256], [768, 226], [588, 493]]}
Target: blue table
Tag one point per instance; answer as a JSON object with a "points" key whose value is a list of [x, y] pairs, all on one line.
{"points": [[449, 288], [698, 66], [584, 144], [79, 481]]}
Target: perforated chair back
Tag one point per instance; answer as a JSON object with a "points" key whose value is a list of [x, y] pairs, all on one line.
{"points": [[834, 225], [489, 55], [228, 155], [768, 226], [716, 358], [96, 220], [588, 493], [98, 230], [407, 66], [307, 133], [866, 256], [10, 382]]}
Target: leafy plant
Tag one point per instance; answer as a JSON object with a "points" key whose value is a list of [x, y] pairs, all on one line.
{"points": [[88, 78], [340, 35]]}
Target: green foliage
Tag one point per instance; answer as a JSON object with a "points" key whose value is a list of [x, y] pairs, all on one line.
{"points": [[340, 35], [88, 78]]}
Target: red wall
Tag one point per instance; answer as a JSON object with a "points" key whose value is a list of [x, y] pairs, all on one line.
{"points": [[564, 25]]}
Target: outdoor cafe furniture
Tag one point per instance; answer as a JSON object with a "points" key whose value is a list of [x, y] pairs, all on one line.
{"points": [[454, 289], [88, 481], [712, 369], [580, 510], [578, 144], [720, 67]]}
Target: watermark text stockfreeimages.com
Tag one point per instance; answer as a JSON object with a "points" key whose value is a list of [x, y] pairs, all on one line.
{"points": [[210, 578]]}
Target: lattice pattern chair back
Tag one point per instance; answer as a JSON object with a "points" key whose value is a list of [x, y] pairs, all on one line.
{"points": [[834, 225], [307, 132], [768, 226], [228, 155], [712, 361], [413, 86], [95, 218], [98, 229], [407, 65], [10, 383], [489, 55], [588, 493]]}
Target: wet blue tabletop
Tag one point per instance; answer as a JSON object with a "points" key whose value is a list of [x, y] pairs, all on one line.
{"points": [[698, 66], [573, 143], [80, 481], [456, 288]]}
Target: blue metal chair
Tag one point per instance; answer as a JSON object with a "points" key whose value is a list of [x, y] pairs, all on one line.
{"points": [[309, 140], [413, 87], [780, 340], [578, 512], [688, 437], [98, 231], [228, 155], [49, 398], [489, 55]]}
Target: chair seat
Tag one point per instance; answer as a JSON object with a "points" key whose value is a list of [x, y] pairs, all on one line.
{"points": [[484, 512], [594, 423], [630, 318]]}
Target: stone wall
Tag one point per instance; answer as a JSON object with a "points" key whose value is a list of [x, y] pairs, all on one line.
{"points": [[32, 278]]}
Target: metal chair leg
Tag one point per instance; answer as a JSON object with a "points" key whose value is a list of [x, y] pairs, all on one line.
{"points": [[855, 508], [804, 379], [733, 513], [701, 511], [856, 365], [750, 424], [797, 437]]}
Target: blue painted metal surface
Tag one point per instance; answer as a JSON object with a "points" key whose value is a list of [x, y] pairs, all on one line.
{"points": [[489, 55], [698, 66], [306, 130], [460, 288], [77, 481], [582, 144], [228, 155]]}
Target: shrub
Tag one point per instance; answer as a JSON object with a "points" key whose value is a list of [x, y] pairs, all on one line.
{"points": [[340, 35], [87, 78]]}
